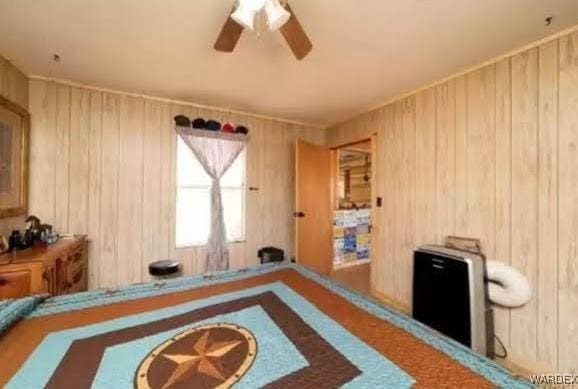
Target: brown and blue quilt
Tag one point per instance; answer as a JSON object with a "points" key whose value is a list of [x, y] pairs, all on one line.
{"points": [[269, 326]]}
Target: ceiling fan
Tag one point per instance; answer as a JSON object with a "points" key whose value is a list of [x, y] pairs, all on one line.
{"points": [[279, 17]]}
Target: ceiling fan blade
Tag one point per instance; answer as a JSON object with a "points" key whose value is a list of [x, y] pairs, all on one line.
{"points": [[229, 35], [295, 36]]}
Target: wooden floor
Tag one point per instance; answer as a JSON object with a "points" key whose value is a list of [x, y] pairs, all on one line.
{"points": [[354, 277]]}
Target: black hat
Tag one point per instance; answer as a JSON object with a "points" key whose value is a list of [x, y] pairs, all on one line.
{"points": [[199, 123], [182, 120], [213, 125], [241, 130]]}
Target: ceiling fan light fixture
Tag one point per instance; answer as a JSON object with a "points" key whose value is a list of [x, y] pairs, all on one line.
{"points": [[280, 17], [245, 16], [277, 15]]}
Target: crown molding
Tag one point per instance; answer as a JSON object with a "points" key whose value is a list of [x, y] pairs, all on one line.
{"points": [[172, 101]]}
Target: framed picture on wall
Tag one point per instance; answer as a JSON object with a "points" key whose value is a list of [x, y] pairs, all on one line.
{"points": [[14, 132]]}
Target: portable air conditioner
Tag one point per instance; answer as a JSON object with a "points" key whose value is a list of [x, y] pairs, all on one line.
{"points": [[450, 295]]}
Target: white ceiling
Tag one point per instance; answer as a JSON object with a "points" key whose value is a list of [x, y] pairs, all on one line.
{"points": [[365, 52]]}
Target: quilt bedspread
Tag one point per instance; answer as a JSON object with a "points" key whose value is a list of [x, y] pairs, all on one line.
{"points": [[269, 326]]}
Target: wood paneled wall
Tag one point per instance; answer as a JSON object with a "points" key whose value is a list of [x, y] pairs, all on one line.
{"points": [[14, 87], [491, 154], [103, 164]]}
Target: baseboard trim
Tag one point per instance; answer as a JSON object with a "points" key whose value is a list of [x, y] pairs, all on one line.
{"points": [[390, 302]]}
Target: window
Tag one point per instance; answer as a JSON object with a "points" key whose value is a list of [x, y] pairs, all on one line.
{"points": [[193, 217]]}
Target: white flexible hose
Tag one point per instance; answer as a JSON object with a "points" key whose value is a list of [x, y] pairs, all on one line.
{"points": [[507, 286]]}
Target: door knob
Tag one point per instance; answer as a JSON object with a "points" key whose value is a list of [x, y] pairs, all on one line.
{"points": [[299, 214]]}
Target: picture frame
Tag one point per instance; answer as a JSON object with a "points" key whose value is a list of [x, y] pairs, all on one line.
{"points": [[14, 141]]}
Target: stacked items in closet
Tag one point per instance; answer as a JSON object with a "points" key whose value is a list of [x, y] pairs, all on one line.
{"points": [[351, 235]]}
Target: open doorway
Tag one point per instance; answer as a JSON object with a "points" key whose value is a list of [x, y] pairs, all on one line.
{"points": [[352, 212]]}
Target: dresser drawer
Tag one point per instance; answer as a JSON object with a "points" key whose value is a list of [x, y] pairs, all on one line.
{"points": [[15, 284]]}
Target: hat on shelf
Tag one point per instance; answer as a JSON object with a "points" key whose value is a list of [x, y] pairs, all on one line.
{"points": [[199, 123], [182, 120], [213, 125], [241, 130], [228, 127]]}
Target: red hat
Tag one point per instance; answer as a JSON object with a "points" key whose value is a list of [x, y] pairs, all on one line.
{"points": [[228, 127]]}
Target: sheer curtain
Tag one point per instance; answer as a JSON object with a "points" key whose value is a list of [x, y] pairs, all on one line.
{"points": [[216, 151]]}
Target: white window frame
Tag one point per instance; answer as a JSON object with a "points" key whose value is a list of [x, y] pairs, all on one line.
{"points": [[207, 187]]}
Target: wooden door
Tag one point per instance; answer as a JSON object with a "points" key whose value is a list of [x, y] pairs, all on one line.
{"points": [[313, 206]]}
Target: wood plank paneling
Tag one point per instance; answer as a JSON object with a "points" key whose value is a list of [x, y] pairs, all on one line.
{"points": [[110, 150], [151, 202], [425, 231], [406, 203], [525, 191], [62, 158], [254, 198], [461, 191], [172, 174], [42, 190], [384, 279], [165, 181], [547, 261], [378, 191], [503, 185], [568, 211], [130, 190], [506, 163], [480, 154], [397, 279], [445, 148], [79, 160], [94, 186], [105, 164], [271, 186]]}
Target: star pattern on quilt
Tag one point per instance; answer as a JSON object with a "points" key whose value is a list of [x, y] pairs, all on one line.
{"points": [[209, 356], [203, 360]]}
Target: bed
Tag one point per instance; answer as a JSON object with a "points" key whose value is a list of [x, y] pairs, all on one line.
{"points": [[270, 326]]}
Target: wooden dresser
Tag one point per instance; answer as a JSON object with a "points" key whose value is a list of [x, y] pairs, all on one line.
{"points": [[57, 269]]}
